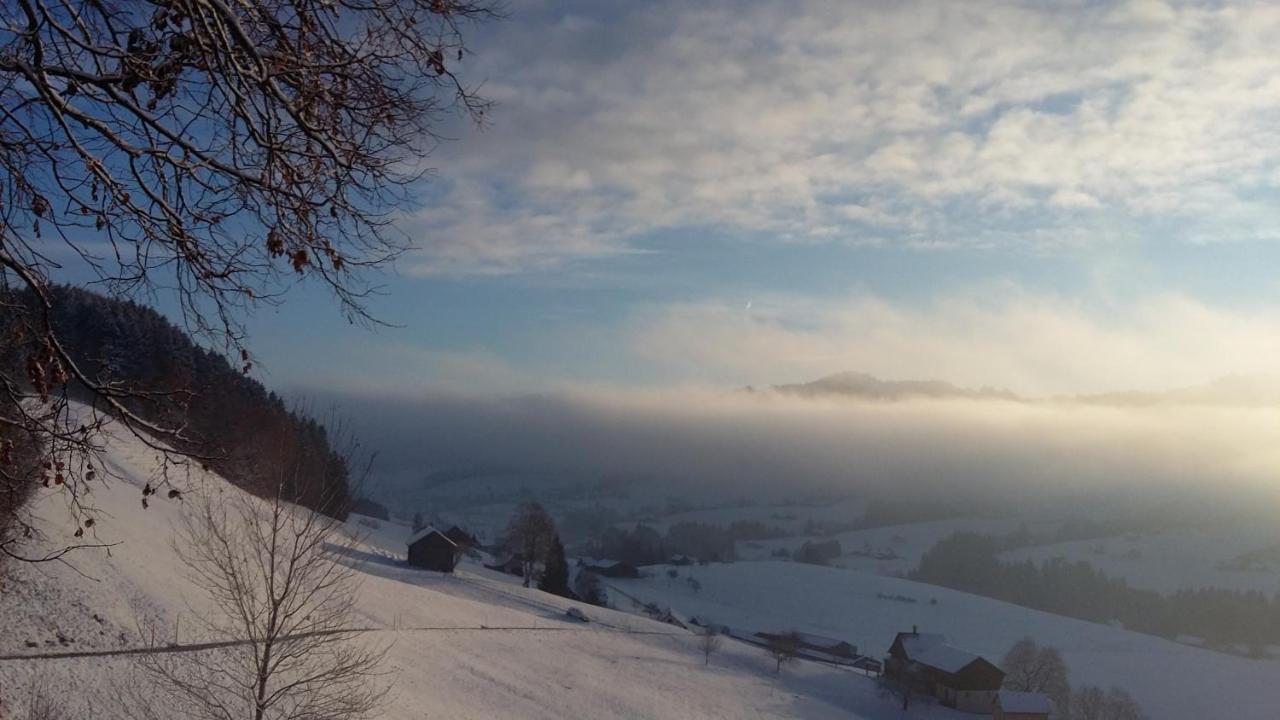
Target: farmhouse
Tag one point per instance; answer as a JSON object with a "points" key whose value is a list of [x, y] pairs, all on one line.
{"points": [[958, 678], [1022, 706], [431, 549]]}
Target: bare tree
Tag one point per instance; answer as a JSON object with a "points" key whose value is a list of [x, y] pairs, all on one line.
{"points": [[783, 648], [1032, 668], [530, 534], [709, 641], [901, 684], [282, 604], [210, 151], [1092, 703], [42, 702]]}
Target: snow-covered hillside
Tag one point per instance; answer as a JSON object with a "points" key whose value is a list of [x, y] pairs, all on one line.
{"points": [[1236, 556], [887, 550], [474, 645], [1171, 681]]}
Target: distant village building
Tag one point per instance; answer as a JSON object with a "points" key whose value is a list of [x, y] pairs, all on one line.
{"points": [[433, 550], [1022, 706], [958, 678], [513, 565]]}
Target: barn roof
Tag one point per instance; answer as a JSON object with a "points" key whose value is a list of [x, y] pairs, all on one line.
{"points": [[427, 531], [916, 643], [1025, 702], [946, 658]]}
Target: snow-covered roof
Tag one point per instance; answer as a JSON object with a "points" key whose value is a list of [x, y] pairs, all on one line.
{"points": [[946, 658], [427, 531], [916, 643], [1025, 702]]}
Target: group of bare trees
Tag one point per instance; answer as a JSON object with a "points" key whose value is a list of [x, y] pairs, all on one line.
{"points": [[1030, 667], [530, 535], [1034, 668]]}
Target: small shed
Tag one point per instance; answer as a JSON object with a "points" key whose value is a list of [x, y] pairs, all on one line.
{"points": [[433, 550], [1012, 705]]}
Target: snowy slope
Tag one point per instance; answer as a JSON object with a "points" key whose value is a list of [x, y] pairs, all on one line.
{"points": [[474, 645], [1171, 681], [890, 549], [1239, 556]]}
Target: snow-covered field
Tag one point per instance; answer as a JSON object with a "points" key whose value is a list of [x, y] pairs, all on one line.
{"points": [[889, 550], [473, 645], [1171, 681], [790, 517], [1237, 557]]}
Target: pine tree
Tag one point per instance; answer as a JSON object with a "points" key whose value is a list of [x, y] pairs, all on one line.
{"points": [[555, 575]]}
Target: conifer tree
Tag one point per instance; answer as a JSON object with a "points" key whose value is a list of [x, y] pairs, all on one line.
{"points": [[555, 574]]}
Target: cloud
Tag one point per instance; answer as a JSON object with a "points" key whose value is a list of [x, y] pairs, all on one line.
{"points": [[1032, 343], [952, 124]]}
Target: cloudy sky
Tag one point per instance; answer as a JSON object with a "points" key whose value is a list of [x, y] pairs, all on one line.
{"points": [[1048, 196]]}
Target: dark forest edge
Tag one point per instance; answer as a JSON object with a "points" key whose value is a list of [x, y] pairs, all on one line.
{"points": [[1222, 618], [230, 423]]}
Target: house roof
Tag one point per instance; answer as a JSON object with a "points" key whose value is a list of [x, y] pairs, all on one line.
{"points": [[916, 643], [1025, 702], [427, 531], [946, 658]]}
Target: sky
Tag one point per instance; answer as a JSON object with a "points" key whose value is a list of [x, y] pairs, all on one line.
{"points": [[1050, 197]]}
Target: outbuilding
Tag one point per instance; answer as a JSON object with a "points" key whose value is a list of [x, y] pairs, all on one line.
{"points": [[433, 550]]}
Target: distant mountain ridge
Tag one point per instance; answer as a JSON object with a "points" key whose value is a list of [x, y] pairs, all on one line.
{"points": [[863, 385], [1231, 390]]}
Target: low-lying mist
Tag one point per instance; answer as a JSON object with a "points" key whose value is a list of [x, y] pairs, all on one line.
{"points": [[1002, 454]]}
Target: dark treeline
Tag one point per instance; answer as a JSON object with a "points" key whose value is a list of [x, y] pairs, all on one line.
{"points": [[235, 425], [646, 546], [970, 562]]}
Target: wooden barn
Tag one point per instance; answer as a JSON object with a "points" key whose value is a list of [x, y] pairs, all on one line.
{"points": [[433, 550], [958, 678]]}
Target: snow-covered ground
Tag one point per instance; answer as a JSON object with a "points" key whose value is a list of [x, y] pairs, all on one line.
{"points": [[889, 550], [1171, 681], [1240, 556], [789, 517], [472, 645]]}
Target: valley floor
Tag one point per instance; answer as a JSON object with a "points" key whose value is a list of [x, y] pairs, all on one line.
{"points": [[471, 645]]}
